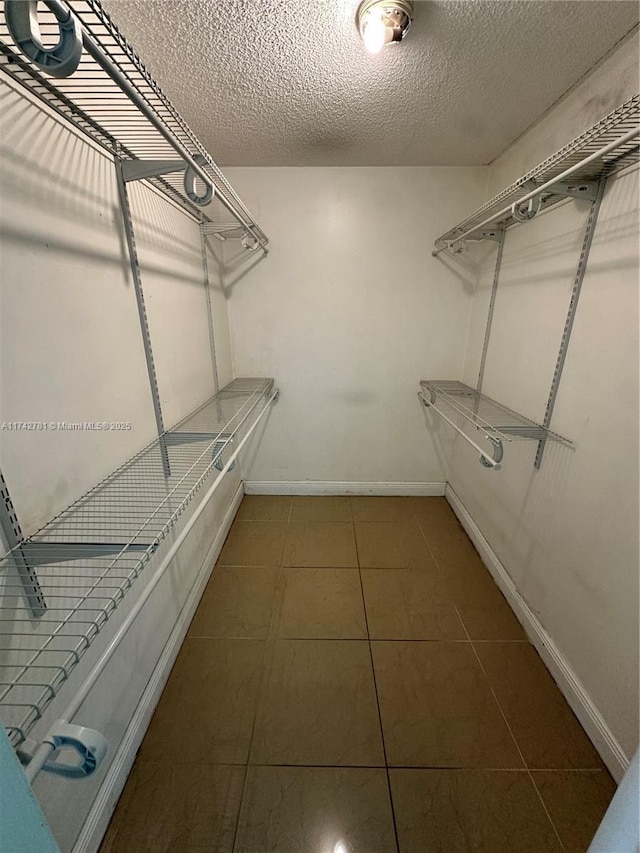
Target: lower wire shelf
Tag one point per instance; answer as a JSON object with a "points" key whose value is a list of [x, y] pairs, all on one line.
{"points": [[462, 406], [87, 559]]}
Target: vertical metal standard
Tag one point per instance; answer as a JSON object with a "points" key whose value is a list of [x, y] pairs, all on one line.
{"points": [[13, 534], [492, 302], [207, 289], [142, 310], [571, 314]]}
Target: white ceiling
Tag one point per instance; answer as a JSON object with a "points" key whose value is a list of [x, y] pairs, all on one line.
{"points": [[288, 82]]}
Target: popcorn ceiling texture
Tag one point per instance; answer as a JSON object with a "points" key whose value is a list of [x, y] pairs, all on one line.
{"points": [[288, 82]]}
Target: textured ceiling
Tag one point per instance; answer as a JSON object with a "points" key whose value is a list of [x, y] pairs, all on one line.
{"points": [[288, 82]]}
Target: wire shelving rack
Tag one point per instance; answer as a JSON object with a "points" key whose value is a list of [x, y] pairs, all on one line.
{"points": [[466, 408], [90, 555], [94, 103], [496, 214]]}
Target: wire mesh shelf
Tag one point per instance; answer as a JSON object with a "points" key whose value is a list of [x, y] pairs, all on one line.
{"points": [[490, 418], [623, 120], [92, 101], [89, 556]]}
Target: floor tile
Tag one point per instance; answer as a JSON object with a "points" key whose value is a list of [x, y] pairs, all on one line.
{"points": [[409, 604], [265, 508], [433, 512], [451, 547], [253, 543], [544, 726], [391, 545], [382, 508], [319, 706], [314, 809], [577, 801], [437, 709], [167, 808], [320, 544], [483, 609], [207, 709], [321, 508], [470, 811], [237, 602], [322, 604]]}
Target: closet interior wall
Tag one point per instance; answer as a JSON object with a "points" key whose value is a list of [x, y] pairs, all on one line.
{"points": [[349, 308], [567, 534], [71, 350]]}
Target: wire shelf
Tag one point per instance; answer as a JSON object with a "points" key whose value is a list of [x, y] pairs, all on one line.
{"points": [[94, 103], [89, 556], [607, 130], [489, 417]]}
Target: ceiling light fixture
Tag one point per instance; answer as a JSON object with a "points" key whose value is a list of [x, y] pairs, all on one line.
{"points": [[382, 22]]}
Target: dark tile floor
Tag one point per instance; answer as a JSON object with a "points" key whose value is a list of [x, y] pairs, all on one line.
{"points": [[354, 682]]}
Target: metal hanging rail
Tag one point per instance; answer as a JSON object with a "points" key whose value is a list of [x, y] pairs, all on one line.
{"points": [[112, 97], [91, 554], [573, 172]]}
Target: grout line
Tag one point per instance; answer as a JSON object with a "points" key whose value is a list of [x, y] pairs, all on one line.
{"points": [[526, 766], [375, 687], [266, 660]]}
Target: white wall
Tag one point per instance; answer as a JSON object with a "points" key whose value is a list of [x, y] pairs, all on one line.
{"points": [[348, 312], [568, 534], [71, 350]]}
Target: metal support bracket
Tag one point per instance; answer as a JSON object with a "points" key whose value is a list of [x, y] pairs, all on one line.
{"points": [[207, 294], [495, 235], [492, 302], [571, 315], [13, 534], [43, 553], [498, 453], [176, 438], [576, 189], [142, 309], [136, 170]]}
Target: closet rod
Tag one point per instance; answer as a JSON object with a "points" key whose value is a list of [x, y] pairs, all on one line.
{"points": [[107, 65], [546, 187], [45, 750], [487, 461]]}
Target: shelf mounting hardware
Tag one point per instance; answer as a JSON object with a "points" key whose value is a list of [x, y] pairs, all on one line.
{"points": [[571, 315], [142, 309], [62, 59], [13, 534], [587, 190], [136, 170]]}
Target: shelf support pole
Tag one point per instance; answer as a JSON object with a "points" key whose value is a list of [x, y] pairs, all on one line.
{"points": [[127, 221], [492, 302], [571, 315], [207, 290], [10, 526]]}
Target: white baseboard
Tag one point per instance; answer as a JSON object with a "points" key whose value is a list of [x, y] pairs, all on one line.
{"points": [[104, 805], [574, 692], [335, 487]]}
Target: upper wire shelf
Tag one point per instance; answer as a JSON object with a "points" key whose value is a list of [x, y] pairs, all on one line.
{"points": [[618, 132], [90, 555], [96, 104], [494, 421]]}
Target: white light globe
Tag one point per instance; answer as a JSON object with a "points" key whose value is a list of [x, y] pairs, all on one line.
{"points": [[374, 34]]}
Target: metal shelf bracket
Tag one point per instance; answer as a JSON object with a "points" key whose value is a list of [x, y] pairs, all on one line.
{"points": [[13, 534], [577, 189], [136, 170]]}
